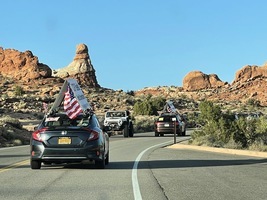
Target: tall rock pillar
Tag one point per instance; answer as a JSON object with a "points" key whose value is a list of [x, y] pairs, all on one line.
{"points": [[80, 68]]}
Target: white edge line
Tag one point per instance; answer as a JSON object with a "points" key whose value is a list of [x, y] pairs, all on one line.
{"points": [[136, 189]]}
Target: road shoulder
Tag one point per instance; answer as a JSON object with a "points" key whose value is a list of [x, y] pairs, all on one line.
{"points": [[219, 150]]}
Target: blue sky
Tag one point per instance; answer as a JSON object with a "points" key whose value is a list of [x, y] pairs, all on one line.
{"points": [[141, 43]]}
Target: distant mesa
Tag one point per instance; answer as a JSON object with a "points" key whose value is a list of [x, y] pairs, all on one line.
{"points": [[80, 68], [197, 80], [22, 66]]}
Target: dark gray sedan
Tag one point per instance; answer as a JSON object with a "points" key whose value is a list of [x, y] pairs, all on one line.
{"points": [[59, 139]]}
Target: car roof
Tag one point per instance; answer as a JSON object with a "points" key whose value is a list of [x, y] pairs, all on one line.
{"points": [[168, 114], [116, 111]]}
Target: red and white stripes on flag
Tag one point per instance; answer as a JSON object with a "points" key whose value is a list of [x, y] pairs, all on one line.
{"points": [[71, 105], [45, 107], [169, 109]]}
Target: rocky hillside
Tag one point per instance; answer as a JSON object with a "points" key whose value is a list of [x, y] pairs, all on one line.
{"points": [[250, 83]]}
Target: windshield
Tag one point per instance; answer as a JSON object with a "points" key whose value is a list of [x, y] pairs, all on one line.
{"points": [[115, 114]]}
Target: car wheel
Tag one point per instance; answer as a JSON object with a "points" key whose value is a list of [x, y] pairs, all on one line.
{"points": [[162, 134], [107, 159], [184, 133], [126, 131], [35, 164], [156, 134], [131, 130], [100, 164]]}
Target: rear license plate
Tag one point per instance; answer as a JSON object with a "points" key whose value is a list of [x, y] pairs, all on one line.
{"points": [[64, 140], [166, 125]]}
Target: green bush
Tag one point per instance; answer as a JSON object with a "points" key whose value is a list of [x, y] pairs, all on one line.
{"points": [[223, 130], [18, 91], [144, 123], [149, 106]]}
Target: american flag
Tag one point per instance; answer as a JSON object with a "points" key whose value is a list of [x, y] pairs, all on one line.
{"points": [[169, 109], [71, 105], [45, 106]]}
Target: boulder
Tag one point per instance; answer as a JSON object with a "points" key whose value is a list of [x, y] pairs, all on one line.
{"points": [[249, 72], [197, 80]]}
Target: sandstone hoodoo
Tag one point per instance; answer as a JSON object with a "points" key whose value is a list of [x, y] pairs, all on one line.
{"points": [[197, 80], [22, 66], [80, 68]]}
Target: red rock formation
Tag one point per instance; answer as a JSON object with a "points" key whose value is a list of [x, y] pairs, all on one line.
{"points": [[250, 72], [197, 80], [22, 65]]}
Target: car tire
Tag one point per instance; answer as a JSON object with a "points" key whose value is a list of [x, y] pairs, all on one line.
{"points": [[109, 134], [100, 164], [131, 131], [35, 164], [126, 131], [184, 133], [107, 159], [161, 134], [156, 134]]}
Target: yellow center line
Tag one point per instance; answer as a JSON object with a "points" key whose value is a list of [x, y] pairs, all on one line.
{"points": [[15, 165]]}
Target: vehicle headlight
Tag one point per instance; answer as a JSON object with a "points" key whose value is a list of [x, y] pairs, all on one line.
{"points": [[106, 123], [120, 122]]}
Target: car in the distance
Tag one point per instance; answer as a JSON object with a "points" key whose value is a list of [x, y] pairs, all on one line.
{"points": [[59, 139], [167, 123], [119, 120]]}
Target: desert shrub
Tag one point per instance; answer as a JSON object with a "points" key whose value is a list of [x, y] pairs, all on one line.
{"points": [[223, 130], [217, 129], [209, 112], [131, 92], [261, 130], [144, 123], [18, 91], [149, 106], [215, 133], [245, 131], [253, 102], [9, 120], [142, 108]]}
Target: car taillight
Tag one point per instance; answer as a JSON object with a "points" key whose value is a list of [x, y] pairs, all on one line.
{"points": [[36, 135], [94, 135]]}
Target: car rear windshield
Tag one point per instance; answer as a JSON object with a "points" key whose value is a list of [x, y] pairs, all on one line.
{"points": [[63, 121], [166, 118]]}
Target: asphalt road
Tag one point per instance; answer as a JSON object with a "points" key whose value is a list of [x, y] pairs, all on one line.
{"points": [[140, 168]]}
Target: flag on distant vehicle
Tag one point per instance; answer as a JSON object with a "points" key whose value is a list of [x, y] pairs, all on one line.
{"points": [[169, 109], [45, 107], [71, 105]]}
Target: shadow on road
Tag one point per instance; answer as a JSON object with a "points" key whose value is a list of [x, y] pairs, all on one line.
{"points": [[163, 164], [159, 164]]}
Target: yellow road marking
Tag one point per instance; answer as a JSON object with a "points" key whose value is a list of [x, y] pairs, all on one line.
{"points": [[14, 165]]}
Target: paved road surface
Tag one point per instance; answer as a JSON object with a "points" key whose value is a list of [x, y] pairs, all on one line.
{"points": [[140, 168]]}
